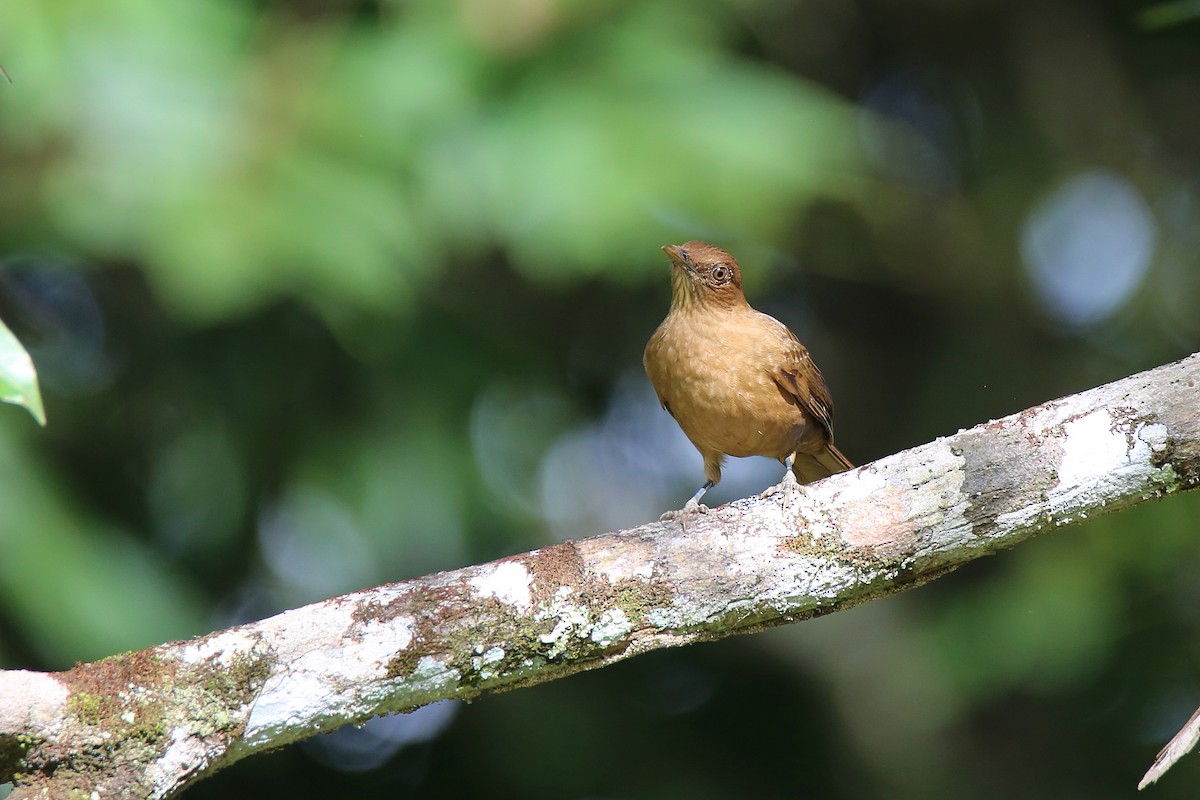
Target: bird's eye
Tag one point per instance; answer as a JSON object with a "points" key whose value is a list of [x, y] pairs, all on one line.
{"points": [[721, 274]]}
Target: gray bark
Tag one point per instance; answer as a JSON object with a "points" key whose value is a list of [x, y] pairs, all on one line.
{"points": [[146, 724]]}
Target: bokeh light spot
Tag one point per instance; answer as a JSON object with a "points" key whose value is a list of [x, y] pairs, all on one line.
{"points": [[1088, 246]]}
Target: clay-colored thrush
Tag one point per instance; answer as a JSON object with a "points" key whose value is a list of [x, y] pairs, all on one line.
{"points": [[737, 381]]}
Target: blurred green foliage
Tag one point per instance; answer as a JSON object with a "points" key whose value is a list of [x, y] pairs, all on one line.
{"points": [[324, 295], [241, 156]]}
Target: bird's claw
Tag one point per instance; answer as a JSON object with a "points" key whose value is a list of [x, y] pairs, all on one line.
{"points": [[692, 506], [788, 485]]}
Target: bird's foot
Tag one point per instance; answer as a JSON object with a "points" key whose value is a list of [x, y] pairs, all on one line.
{"points": [[788, 485], [693, 506]]}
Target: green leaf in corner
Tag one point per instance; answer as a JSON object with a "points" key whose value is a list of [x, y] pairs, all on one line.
{"points": [[1169, 14], [18, 379]]}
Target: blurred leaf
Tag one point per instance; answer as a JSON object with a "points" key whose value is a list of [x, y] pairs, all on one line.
{"points": [[1167, 15], [18, 379]]}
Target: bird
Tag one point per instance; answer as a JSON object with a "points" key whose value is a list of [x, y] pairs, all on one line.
{"points": [[738, 381]]}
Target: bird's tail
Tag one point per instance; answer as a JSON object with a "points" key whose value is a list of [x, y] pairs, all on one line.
{"points": [[809, 467]]}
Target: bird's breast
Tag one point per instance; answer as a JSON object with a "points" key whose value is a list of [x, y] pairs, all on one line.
{"points": [[715, 372]]}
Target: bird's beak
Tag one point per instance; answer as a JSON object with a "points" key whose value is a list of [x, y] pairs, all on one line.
{"points": [[677, 255]]}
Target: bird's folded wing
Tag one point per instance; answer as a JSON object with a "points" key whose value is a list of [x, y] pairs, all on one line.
{"points": [[797, 375]]}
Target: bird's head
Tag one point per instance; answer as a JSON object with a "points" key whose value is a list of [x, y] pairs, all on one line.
{"points": [[705, 275]]}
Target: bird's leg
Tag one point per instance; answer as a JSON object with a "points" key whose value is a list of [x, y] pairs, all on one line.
{"points": [[694, 503], [789, 475], [692, 506]]}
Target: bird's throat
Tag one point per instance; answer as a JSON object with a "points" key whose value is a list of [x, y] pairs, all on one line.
{"points": [[683, 290]]}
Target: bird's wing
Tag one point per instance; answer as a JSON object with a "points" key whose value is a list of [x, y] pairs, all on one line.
{"points": [[797, 374]]}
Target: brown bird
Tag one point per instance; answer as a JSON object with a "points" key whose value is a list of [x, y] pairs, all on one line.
{"points": [[737, 381]]}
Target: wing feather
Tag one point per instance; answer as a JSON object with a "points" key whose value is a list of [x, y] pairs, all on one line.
{"points": [[797, 374]]}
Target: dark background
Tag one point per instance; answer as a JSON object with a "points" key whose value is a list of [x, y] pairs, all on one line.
{"points": [[328, 294]]}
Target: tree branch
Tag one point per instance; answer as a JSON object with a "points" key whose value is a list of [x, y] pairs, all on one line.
{"points": [[146, 724]]}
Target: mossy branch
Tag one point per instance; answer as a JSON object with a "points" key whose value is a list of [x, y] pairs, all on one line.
{"points": [[147, 724]]}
